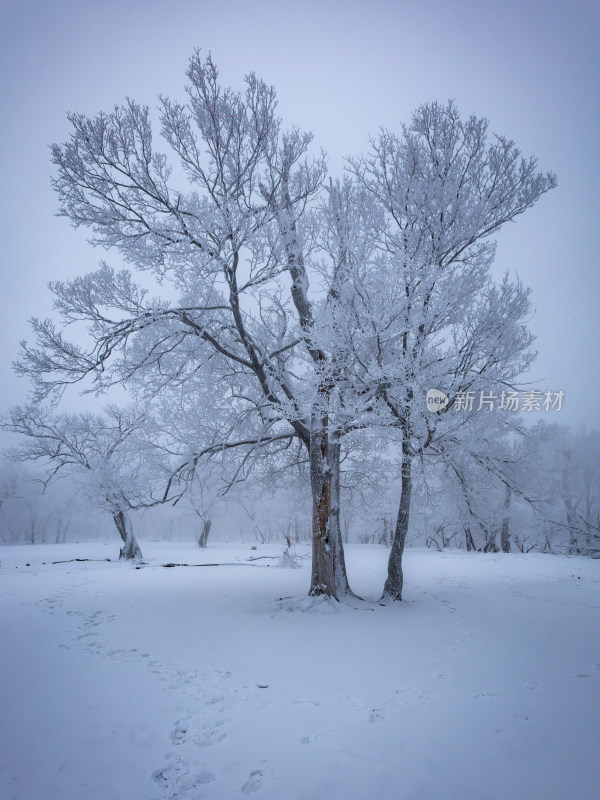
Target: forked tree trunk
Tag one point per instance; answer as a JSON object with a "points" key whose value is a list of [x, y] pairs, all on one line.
{"points": [[469, 538], [490, 545], [393, 584], [131, 550], [202, 539], [505, 532]]}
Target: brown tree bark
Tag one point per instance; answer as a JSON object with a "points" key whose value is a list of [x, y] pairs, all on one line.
{"points": [[328, 563], [322, 577]]}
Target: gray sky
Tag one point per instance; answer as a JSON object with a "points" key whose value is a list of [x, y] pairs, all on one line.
{"points": [[341, 69]]}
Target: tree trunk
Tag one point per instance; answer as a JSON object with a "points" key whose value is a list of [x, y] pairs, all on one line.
{"points": [[490, 545], [505, 532], [469, 538], [393, 584], [328, 574], [202, 539], [340, 576], [131, 549], [346, 535], [384, 538], [322, 576], [574, 548]]}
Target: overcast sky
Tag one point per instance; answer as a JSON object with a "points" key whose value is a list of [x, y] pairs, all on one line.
{"points": [[341, 69]]}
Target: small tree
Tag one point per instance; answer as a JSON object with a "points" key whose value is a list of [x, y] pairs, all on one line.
{"points": [[114, 465], [564, 481], [203, 496]]}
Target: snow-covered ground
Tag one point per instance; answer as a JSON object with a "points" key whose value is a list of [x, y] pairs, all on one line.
{"points": [[218, 682]]}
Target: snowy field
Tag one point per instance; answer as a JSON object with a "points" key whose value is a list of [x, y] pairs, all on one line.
{"points": [[140, 684]]}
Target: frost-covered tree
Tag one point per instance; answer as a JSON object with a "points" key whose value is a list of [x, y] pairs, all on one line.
{"points": [[33, 512], [314, 313], [203, 499], [481, 483], [564, 483], [235, 245], [434, 318], [115, 468], [507, 486]]}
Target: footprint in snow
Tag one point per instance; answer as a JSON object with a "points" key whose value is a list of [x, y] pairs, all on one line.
{"points": [[485, 694], [253, 783], [314, 737], [309, 703], [407, 695], [170, 774], [210, 734], [376, 715], [51, 605], [222, 674], [349, 702], [203, 734], [178, 778], [179, 733]]}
